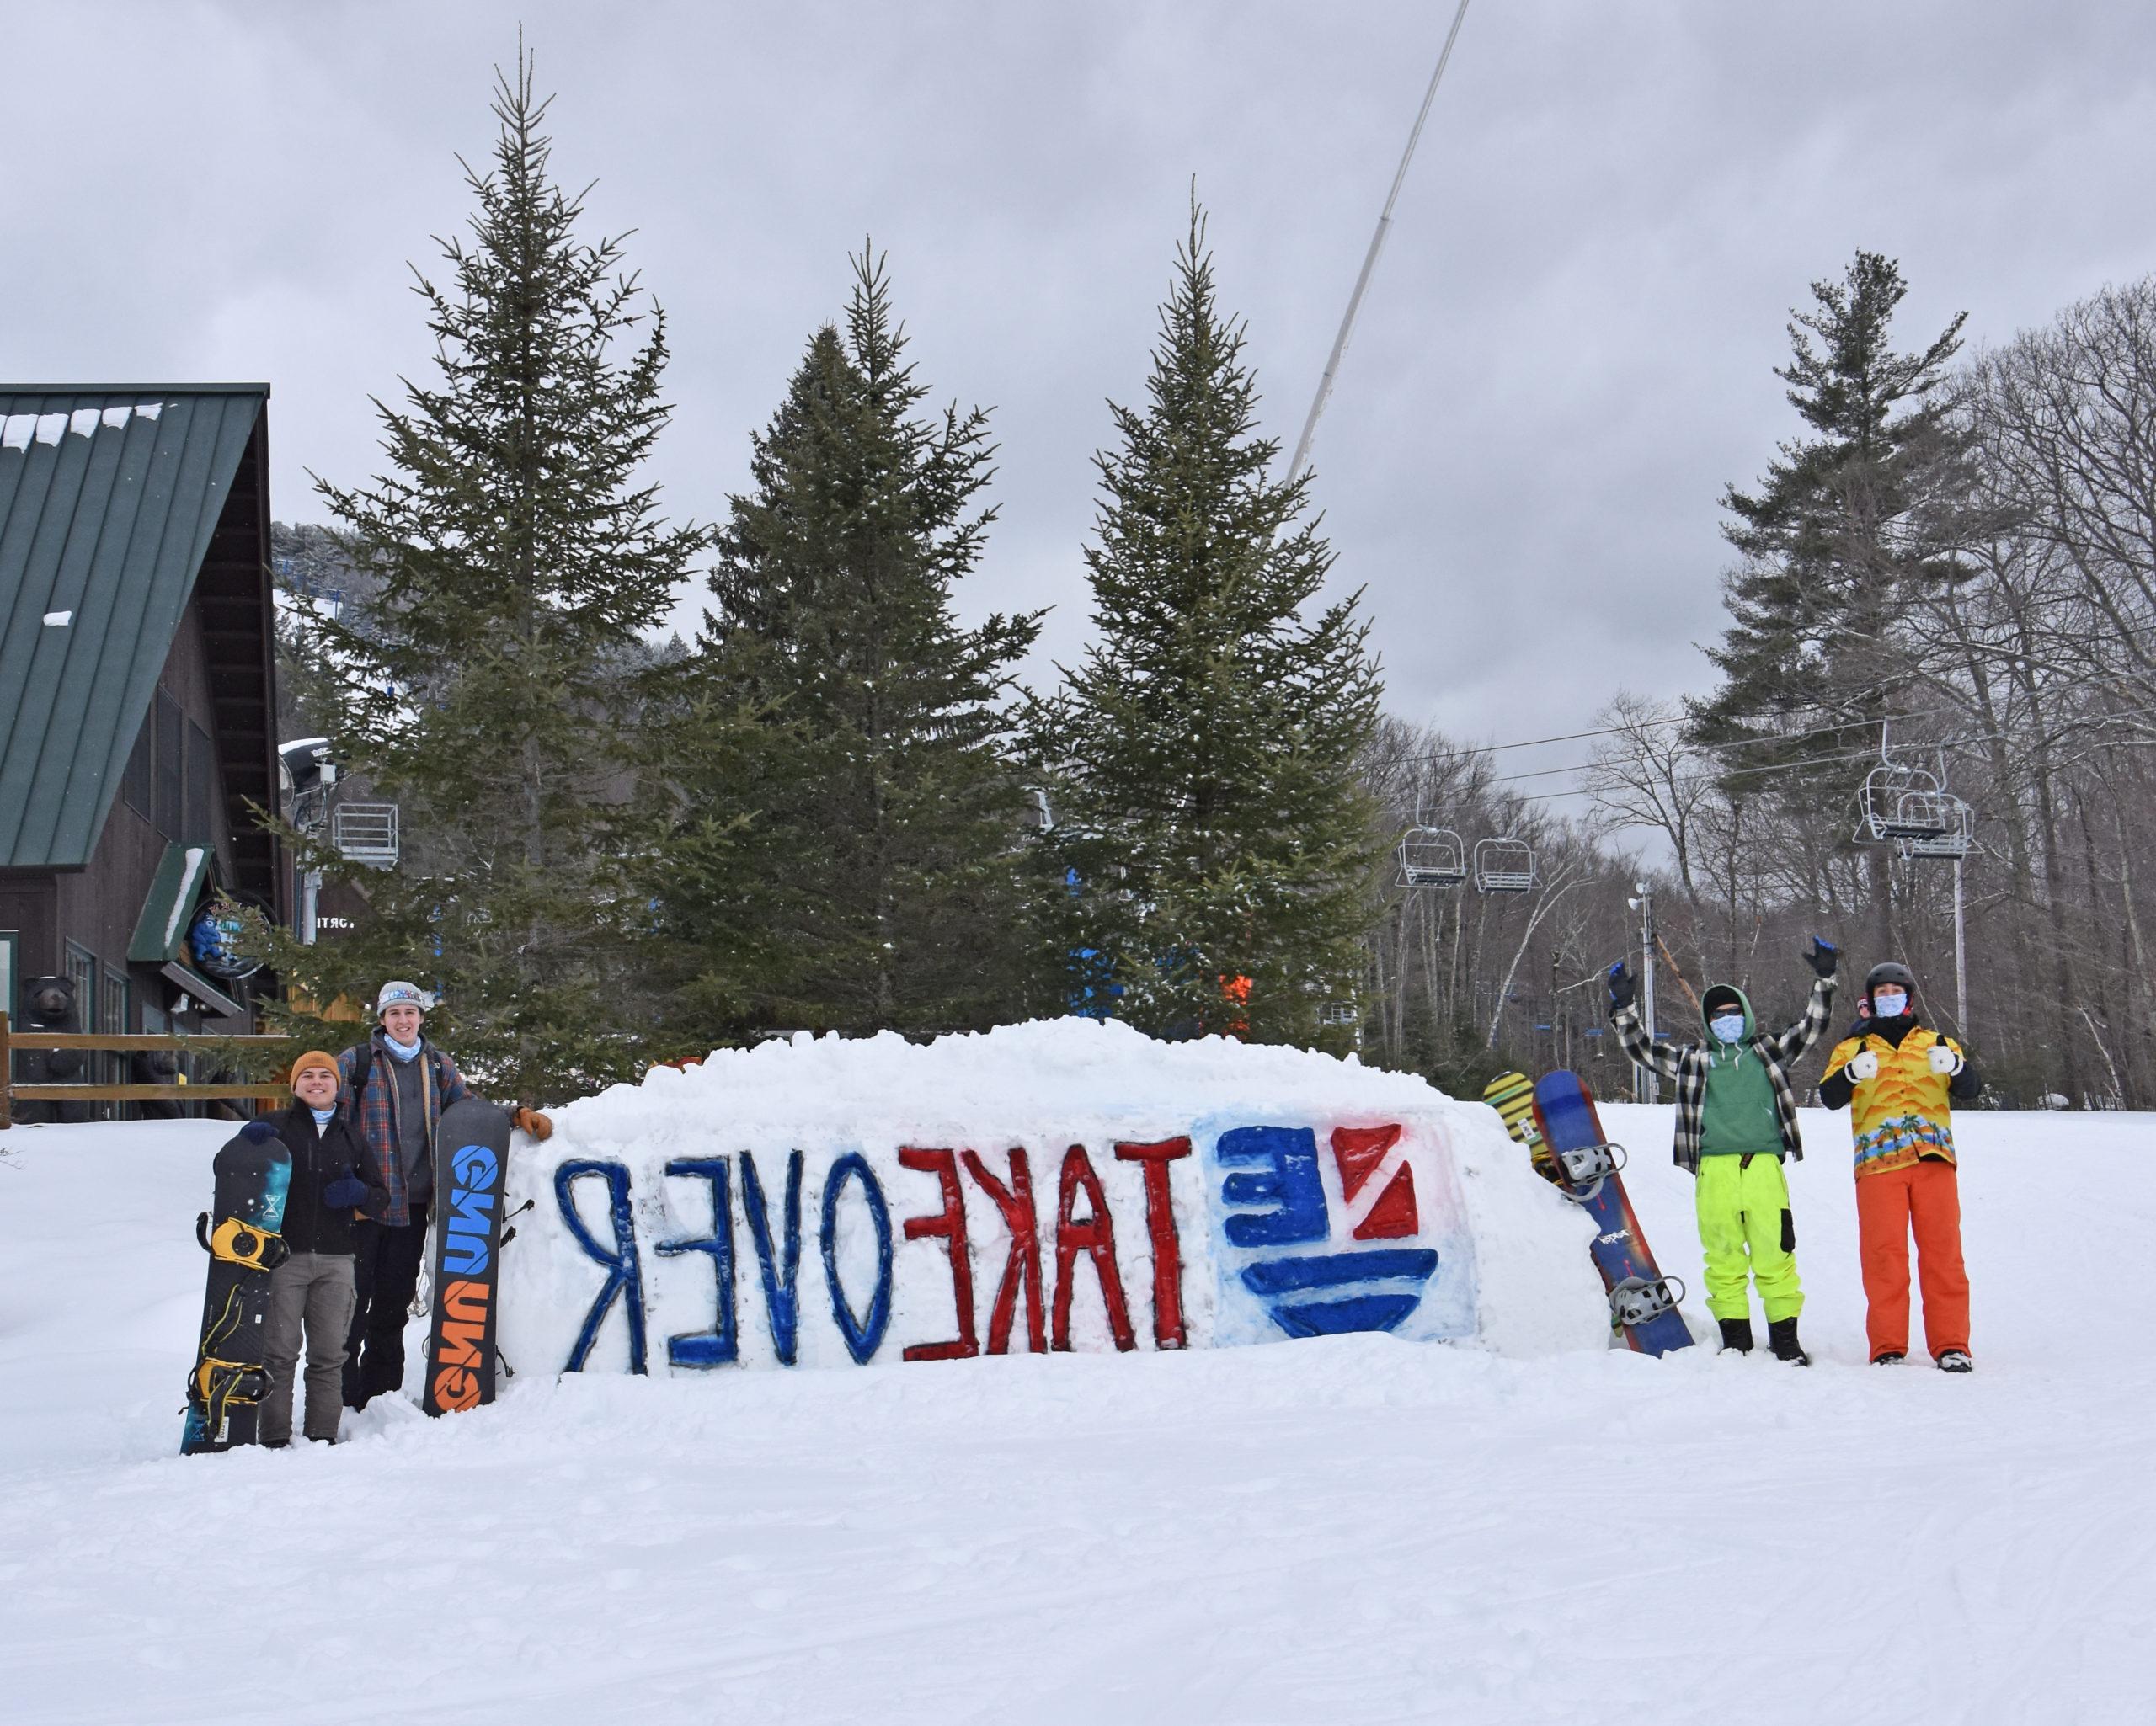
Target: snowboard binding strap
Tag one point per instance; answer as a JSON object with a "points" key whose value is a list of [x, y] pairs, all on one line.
{"points": [[1582, 1171], [236, 1243], [1637, 1299]]}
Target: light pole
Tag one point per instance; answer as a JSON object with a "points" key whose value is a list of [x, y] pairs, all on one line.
{"points": [[1960, 961], [1644, 1084]]}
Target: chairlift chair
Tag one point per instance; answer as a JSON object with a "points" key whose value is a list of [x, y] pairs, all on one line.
{"points": [[1433, 857], [1899, 801], [1504, 865], [1951, 845]]}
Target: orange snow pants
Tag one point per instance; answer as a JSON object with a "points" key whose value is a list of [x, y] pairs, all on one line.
{"points": [[1921, 1196]]}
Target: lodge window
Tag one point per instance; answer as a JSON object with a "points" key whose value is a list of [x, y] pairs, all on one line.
{"points": [[201, 788], [139, 786], [169, 772], [112, 1002], [171, 779]]}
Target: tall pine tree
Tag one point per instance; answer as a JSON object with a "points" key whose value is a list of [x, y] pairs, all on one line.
{"points": [[840, 845], [492, 687], [1217, 841], [1839, 543]]}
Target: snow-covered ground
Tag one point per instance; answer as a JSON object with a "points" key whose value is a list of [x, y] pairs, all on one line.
{"points": [[1348, 1529]]}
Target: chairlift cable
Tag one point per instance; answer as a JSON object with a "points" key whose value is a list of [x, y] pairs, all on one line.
{"points": [[1370, 258]]}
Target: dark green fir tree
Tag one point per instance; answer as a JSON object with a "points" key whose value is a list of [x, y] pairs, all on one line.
{"points": [[1857, 520], [1214, 837], [516, 560], [840, 843]]}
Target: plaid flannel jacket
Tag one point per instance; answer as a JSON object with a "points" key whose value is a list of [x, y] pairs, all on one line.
{"points": [[373, 1113], [1687, 1067]]}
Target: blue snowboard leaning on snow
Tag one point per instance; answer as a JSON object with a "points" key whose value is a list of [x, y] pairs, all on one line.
{"points": [[1642, 1304]]}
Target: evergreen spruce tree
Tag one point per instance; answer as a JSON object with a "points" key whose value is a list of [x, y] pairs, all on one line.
{"points": [[490, 687], [1217, 844], [1839, 542], [840, 843]]}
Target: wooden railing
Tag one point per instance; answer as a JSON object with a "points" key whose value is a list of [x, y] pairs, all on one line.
{"points": [[43, 1041]]}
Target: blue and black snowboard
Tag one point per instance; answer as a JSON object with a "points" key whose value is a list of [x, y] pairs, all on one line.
{"points": [[471, 1166], [242, 1233], [1555, 1120]]}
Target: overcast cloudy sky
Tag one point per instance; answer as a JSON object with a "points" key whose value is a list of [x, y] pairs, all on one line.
{"points": [[1567, 353]]}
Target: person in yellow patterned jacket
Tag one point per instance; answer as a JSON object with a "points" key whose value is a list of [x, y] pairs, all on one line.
{"points": [[1897, 1077]]}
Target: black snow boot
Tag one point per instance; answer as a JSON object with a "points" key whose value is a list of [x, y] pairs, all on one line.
{"points": [[1956, 1360], [1781, 1338], [1736, 1335], [1888, 1359]]}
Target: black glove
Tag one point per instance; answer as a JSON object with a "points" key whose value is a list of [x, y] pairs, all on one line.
{"points": [[257, 1131], [348, 1192], [377, 1202], [1621, 990], [1823, 957]]}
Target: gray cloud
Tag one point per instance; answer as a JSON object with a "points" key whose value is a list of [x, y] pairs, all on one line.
{"points": [[1566, 355]]}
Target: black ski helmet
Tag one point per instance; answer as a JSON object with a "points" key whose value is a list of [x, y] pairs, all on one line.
{"points": [[1891, 971]]}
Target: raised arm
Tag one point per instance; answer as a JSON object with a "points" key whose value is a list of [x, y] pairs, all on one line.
{"points": [[1641, 1049]]}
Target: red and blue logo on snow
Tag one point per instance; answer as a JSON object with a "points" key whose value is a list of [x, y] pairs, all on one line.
{"points": [[1320, 1230]]}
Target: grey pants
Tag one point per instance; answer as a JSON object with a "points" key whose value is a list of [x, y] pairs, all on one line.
{"points": [[313, 1291]]}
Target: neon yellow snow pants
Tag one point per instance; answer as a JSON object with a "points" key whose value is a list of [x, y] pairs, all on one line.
{"points": [[1745, 1227]]}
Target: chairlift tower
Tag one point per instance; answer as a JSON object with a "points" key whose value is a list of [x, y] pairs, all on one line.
{"points": [[1952, 846]]}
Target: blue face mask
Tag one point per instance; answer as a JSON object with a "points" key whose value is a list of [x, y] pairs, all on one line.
{"points": [[1889, 1004], [1729, 1027]]}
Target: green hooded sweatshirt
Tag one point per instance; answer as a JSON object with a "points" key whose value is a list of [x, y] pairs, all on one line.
{"points": [[1738, 1117]]}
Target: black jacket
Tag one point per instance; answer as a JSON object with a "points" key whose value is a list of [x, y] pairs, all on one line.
{"points": [[318, 1160]]}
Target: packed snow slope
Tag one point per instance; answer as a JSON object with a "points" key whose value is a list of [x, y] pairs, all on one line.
{"points": [[1347, 1529]]}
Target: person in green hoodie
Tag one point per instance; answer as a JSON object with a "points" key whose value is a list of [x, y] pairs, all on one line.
{"points": [[1736, 1121]]}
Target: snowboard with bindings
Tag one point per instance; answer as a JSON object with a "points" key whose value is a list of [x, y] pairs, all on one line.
{"points": [[242, 1231], [471, 1167], [1556, 1122]]}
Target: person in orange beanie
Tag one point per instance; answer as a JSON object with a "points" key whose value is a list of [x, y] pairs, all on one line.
{"points": [[312, 1293], [1899, 1080]]}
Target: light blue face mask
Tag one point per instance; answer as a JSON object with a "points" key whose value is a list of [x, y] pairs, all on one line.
{"points": [[1727, 1027], [1889, 1004]]}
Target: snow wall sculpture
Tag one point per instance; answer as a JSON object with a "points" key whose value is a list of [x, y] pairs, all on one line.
{"points": [[1058, 1185]]}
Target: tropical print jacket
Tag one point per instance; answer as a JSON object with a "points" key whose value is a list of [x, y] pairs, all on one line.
{"points": [[1903, 1114]]}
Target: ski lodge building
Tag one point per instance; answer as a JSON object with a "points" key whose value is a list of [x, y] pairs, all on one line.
{"points": [[137, 695]]}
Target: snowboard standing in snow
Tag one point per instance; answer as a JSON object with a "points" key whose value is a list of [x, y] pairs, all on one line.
{"points": [[241, 1232], [471, 1164], [1555, 1120], [1512, 1094]]}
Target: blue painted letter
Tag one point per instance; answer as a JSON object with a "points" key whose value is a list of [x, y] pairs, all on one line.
{"points": [[863, 1336], [721, 1345], [779, 1270], [1290, 1185], [624, 1270]]}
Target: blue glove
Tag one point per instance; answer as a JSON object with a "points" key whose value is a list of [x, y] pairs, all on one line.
{"points": [[1620, 985], [257, 1131], [348, 1192], [1823, 957]]}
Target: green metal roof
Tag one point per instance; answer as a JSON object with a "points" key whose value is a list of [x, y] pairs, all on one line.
{"points": [[109, 496]]}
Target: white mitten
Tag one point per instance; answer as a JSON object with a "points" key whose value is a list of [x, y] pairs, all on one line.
{"points": [[1945, 1060], [1864, 1066]]}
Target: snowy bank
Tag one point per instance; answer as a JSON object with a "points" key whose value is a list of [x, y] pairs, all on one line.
{"points": [[1351, 1528], [1065, 1185]]}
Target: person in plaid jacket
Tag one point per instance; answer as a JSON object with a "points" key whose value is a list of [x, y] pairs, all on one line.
{"points": [[1736, 1121], [396, 1085]]}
